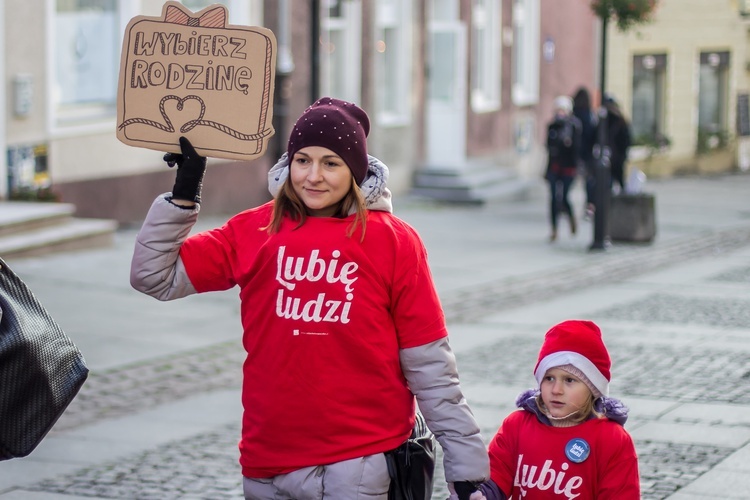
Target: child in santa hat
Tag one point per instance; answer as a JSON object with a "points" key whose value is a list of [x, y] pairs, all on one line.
{"points": [[567, 440]]}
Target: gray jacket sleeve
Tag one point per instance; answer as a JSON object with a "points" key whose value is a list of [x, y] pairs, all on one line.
{"points": [[431, 372], [156, 268]]}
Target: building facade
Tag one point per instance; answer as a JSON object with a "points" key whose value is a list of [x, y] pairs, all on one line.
{"points": [[682, 79], [459, 93]]}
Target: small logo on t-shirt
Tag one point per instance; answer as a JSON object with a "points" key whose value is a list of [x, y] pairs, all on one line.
{"points": [[298, 332], [577, 450]]}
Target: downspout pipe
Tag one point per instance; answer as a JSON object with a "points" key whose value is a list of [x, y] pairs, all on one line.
{"points": [[315, 51]]}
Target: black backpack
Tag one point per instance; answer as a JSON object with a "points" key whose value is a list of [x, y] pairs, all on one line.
{"points": [[560, 138]]}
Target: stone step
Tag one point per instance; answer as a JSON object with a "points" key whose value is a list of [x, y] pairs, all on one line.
{"points": [[20, 216], [476, 183], [30, 229]]}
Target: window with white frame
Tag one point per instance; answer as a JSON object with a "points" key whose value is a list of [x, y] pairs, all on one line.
{"points": [[443, 10], [393, 45], [238, 10], [485, 55], [713, 89], [647, 117], [525, 76], [196, 5], [340, 51], [85, 41]]}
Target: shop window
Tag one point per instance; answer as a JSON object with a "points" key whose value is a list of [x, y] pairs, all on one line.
{"points": [[647, 117], [86, 47], [238, 10], [85, 43], [713, 87]]}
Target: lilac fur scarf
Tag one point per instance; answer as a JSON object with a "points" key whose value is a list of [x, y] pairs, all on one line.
{"points": [[611, 408]]}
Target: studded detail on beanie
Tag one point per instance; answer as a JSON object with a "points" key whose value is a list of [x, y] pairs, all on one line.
{"points": [[338, 125], [579, 344]]}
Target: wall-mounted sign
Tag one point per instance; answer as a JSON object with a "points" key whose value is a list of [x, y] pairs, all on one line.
{"points": [[548, 49], [190, 74]]}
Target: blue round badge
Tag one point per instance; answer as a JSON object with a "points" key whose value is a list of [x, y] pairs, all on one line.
{"points": [[577, 450]]}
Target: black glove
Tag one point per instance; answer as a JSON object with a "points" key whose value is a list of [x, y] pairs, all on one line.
{"points": [[464, 489], [190, 169]]}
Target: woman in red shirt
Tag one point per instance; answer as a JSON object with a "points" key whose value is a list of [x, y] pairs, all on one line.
{"points": [[341, 321]]}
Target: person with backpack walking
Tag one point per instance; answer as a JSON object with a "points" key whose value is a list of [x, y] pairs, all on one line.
{"points": [[343, 329], [563, 153]]}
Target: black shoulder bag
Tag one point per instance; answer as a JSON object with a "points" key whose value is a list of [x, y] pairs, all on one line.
{"points": [[412, 465], [41, 370]]}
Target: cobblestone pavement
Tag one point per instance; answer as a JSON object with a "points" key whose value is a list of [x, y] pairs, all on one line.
{"points": [[118, 392], [661, 371], [481, 300], [206, 468], [665, 308], [126, 389], [210, 462], [205, 465]]}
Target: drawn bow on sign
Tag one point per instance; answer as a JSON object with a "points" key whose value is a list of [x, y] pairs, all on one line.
{"points": [[214, 18]]}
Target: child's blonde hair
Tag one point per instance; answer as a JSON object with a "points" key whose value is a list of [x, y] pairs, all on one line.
{"points": [[588, 409]]}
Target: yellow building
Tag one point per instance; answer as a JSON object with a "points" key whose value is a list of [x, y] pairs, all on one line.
{"points": [[682, 80]]}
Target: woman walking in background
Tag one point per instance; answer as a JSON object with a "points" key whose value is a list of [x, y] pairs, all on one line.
{"points": [[618, 138], [563, 148], [582, 110]]}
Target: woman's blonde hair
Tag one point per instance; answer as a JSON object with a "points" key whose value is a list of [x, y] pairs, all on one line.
{"points": [[288, 203]]}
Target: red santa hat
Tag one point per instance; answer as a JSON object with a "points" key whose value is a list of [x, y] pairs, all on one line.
{"points": [[577, 344]]}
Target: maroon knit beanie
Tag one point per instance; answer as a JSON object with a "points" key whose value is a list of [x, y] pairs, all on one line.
{"points": [[337, 125]]}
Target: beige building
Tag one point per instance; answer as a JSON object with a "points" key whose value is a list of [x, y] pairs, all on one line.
{"points": [[61, 63], [684, 77]]}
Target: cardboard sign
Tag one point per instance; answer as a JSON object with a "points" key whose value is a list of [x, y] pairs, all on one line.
{"points": [[190, 74]]}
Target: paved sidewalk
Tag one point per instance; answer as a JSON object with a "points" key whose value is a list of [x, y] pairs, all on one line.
{"points": [[164, 385]]}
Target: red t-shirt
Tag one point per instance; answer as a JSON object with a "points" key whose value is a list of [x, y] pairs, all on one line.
{"points": [[324, 316], [592, 460]]}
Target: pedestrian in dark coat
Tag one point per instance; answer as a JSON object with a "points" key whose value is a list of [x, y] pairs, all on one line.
{"points": [[563, 148], [618, 138], [582, 110]]}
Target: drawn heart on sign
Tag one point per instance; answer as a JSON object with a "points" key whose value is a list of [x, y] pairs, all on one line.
{"points": [[188, 111]]}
